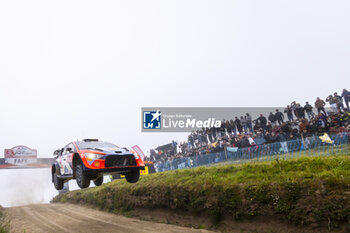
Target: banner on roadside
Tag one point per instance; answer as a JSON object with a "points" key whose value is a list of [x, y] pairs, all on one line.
{"points": [[20, 156]]}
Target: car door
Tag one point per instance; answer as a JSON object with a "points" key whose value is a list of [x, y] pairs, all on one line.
{"points": [[66, 159]]}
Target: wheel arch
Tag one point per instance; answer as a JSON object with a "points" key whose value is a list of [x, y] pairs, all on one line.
{"points": [[75, 161]]}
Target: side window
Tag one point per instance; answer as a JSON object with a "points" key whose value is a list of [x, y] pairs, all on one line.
{"points": [[64, 150], [71, 145]]}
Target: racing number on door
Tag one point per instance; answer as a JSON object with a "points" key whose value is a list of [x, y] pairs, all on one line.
{"points": [[67, 156]]}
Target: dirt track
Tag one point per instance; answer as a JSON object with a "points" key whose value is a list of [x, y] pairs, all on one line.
{"points": [[47, 218]]}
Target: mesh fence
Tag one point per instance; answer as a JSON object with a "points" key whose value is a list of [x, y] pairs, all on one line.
{"points": [[309, 146]]}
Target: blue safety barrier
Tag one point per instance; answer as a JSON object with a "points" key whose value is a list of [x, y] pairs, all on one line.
{"points": [[308, 146]]}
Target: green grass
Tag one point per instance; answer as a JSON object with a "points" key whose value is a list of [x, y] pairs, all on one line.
{"points": [[4, 228], [303, 191]]}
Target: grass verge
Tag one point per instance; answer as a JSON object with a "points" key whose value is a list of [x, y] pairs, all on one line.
{"points": [[4, 227], [304, 191]]}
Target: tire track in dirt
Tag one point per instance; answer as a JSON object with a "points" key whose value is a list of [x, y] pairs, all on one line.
{"points": [[54, 218]]}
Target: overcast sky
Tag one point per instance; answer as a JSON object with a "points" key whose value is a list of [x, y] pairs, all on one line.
{"points": [[76, 69]]}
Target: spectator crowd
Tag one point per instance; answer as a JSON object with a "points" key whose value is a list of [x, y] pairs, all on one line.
{"points": [[293, 122]]}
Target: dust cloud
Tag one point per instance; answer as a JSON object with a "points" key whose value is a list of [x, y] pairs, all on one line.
{"points": [[25, 186], [28, 186]]}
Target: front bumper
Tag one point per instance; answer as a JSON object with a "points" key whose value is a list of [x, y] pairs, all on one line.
{"points": [[112, 170]]}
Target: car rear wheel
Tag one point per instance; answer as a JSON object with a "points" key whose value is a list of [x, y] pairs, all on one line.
{"points": [[82, 180], [133, 176], [58, 183], [98, 181]]}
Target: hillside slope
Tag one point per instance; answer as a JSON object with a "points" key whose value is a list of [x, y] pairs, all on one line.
{"points": [[312, 192]]}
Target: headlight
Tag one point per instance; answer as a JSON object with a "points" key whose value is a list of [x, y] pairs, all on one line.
{"points": [[93, 156]]}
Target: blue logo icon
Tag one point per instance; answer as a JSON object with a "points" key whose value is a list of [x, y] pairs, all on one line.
{"points": [[152, 119]]}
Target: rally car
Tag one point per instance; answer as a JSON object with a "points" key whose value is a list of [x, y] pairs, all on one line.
{"points": [[91, 159]]}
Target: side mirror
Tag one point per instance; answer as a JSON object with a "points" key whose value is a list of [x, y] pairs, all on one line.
{"points": [[69, 150], [56, 153]]}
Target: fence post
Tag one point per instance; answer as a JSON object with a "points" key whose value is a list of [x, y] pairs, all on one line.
{"points": [[347, 144], [318, 145], [341, 145], [333, 144]]}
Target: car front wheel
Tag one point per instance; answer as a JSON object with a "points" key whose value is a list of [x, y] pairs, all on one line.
{"points": [[133, 176], [58, 183], [82, 180]]}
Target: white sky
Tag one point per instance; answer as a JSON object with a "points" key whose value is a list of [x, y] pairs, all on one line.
{"points": [[76, 69]]}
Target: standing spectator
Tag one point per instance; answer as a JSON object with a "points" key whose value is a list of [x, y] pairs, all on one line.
{"points": [[222, 129], [319, 105], [213, 133], [190, 140], [289, 112], [204, 138], [272, 119], [339, 99], [174, 145], [249, 122], [293, 105], [279, 117], [301, 111], [233, 127], [332, 102], [346, 96], [238, 125], [262, 121], [228, 127], [308, 108], [244, 124], [304, 125], [210, 136]]}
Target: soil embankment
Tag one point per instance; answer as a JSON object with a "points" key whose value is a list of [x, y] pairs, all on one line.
{"points": [[312, 194]]}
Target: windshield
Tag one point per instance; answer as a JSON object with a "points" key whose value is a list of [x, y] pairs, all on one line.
{"points": [[96, 145]]}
